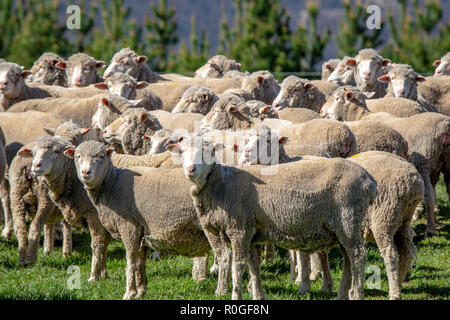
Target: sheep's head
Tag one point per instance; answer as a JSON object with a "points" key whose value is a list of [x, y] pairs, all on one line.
{"points": [[402, 81], [346, 104], [343, 74], [130, 128], [69, 131], [49, 69], [48, 156], [295, 93], [443, 66], [196, 99], [328, 67], [126, 61], [262, 146], [109, 109], [262, 86], [81, 70], [368, 64], [12, 79], [122, 85], [197, 156], [161, 139], [92, 161]]}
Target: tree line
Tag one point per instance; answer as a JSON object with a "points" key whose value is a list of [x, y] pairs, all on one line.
{"points": [[259, 37]]}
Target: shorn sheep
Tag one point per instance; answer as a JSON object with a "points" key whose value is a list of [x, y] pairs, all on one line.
{"points": [[142, 220], [262, 208]]}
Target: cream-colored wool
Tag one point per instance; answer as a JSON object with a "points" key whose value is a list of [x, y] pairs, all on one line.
{"points": [[196, 99], [443, 66], [328, 67], [437, 92], [44, 71], [297, 115], [89, 70], [262, 86], [343, 74]]}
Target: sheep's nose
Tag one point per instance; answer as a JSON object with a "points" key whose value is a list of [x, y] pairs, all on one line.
{"points": [[190, 169], [323, 114], [37, 165], [3, 83], [84, 173], [401, 92], [367, 74], [276, 105]]}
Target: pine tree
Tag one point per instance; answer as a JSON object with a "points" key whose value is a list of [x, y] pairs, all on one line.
{"points": [[87, 24], [161, 36], [7, 26], [353, 34]]}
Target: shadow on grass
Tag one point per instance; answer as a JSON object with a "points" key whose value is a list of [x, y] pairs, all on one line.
{"points": [[432, 290]]}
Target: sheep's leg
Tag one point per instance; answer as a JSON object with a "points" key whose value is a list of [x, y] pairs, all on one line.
{"points": [[99, 244], [346, 280], [141, 275], [132, 244], [327, 286], [215, 267], [269, 251], [4, 195], [223, 255], [49, 243], [406, 250], [255, 277], [298, 270], [305, 260], [294, 262], [429, 206], [34, 234], [315, 266], [20, 228], [358, 256], [240, 248], [390, 257], [67, 239], [200, 268]]}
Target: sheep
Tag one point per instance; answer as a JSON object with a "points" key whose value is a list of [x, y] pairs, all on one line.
{"points": [[325, 87], [262, 208], [58, 173], [29, 198], [427, 134], [196, 99], [81, 70], [298, 93], [217, 67], [129, 129], [240, 93], [403, 80], [44, 71], [13, 88], [388, 221], [343, 74], [142, 220], [399, 107], [5, 215], [328, 67], [183, 122], [437, 92], [375, 135], [160, 140], [297, 115], [2, 60], [235, 74], [443, 66], [262, 86], [122, 84], [368, 66]]}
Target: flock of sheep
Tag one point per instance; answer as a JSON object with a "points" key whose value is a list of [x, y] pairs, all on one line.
{"points": [[226, 160]]}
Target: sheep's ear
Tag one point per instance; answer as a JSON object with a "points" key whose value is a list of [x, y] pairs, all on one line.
{"points": [[232, 109], [101, 85], [109, 152], [385, 78], [385, 62], [235, 148], [26, 73], [135, 102], [25, 152], [61, 65], [369, 95], [205, 97], [83, 131], [100, 64], [351, 62], [328, 67], [437, 63], [260, 79], [146, 137], [143, 116], [141, 59], [419, 78], [238, 66], [174, 147], [105, 102], [69, 152], [264, 110], [283, 140], [141, 85], [50, 132], [308, 86], [349, 96]]}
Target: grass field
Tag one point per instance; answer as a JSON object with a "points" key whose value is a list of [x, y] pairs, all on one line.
{"points": [[170, 278]]}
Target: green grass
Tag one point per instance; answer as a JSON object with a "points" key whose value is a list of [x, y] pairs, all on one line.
{"points": [[170, 278]]}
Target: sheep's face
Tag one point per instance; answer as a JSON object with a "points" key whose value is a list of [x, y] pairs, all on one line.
{"points": [[47, 160], [122, 85], [443, 68], [261, 147], [129, 64], [199, 101], [209, 70], [81, 72], [113, 133], [330, 108], [12, 80], [49, 71], [368, 66], [161, 139], [295, 95], [197, 157], [220, 118], [105, 112], [343, 74], [261, 87], [92, 167], [403, 84]]}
